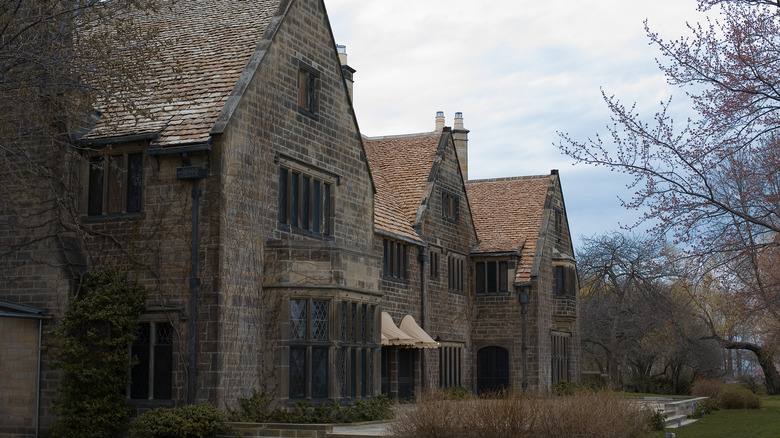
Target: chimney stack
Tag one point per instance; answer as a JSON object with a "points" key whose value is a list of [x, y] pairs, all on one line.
{"points": [[460, 137], [439, 121], [346, 70]]}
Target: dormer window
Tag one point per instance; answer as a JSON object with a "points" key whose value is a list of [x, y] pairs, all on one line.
{"points": [[491, 276], [115, 183]]}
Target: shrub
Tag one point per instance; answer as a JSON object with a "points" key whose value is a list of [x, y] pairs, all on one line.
{"points": [[752, 382], [254, 409], [191, 421], [705, 407], [599, 414], [736, 397], [656, 420], [90, 346], [379, 408], [707, 387], [564, 388], [457, 393]]}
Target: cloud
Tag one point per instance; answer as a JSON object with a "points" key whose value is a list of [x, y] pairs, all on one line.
{"points": [[520, 71]]}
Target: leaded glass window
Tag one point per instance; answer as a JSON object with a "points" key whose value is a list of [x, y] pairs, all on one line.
{"points": [[319, 372], [343, 369], [320, 320], [297, 372], [343, 321], [298, 319], [151, 378], [309, 351], [363, 330], [353, 320]]}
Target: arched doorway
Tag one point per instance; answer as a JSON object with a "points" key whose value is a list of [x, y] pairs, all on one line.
{"points": [[492, 369]]}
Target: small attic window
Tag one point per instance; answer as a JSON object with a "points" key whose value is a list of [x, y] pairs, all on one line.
{"points": [[308, 90], [449, 206]]}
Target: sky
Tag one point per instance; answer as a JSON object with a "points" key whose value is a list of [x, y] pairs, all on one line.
{"points": [[520, 71]]}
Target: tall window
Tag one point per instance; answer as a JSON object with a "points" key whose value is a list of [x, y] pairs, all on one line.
{"points": [[491, 277], [357, 348], [560, 357], [115, 184], [450, 204], [394, 261], [455, 274], [308, 90], [434, 268], [152, 376], [309, 345], [565, 280], [450, 364], [304, 201]]}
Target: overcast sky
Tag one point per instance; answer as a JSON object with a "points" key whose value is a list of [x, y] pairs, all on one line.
{"points": [[518, 70]]}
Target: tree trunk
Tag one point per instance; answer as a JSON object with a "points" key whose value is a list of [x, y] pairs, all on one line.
{"points": [[766, 361]]}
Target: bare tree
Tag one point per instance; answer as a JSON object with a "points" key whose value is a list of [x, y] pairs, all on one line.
{"points": [[636, 326], [60, 61], [711, 183]]}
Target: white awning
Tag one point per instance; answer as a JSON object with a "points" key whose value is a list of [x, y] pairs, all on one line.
{"points": [[392, 335], [421, 339]]}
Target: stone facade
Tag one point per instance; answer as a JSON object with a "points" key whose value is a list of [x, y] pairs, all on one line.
{"points": [[258, 196], [20, 331], [532, 210]]}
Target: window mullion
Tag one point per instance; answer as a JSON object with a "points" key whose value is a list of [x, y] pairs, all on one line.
{"points": [[152, 343]]}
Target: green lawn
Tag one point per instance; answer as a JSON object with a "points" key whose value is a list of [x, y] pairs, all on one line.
{"points": [[747, 423]]}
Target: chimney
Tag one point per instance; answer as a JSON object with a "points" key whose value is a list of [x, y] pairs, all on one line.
{"points": [[346, 70], [439, 121], [460, 137]]}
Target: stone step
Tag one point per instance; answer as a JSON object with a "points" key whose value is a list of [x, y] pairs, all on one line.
{"points": [[675, 421]]}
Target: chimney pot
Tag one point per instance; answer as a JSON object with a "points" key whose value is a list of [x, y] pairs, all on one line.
{"points": [[342, 49], [346, 70], [439, 120], [458, 120], [460, 136]]}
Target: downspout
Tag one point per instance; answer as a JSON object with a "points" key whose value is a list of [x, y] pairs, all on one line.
{"points": [[195, 174], [192, 369]]}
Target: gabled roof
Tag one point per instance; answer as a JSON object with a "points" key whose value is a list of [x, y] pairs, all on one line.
{"points": [[401, 166], [208, 45], [508, 214]]}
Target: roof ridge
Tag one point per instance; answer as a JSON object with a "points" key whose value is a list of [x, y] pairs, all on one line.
{"points": [[508, 178], [387, 137]]}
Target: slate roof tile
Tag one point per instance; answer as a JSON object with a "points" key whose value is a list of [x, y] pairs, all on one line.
{"points": [[401, 166], [508, 214], [210, 44]]}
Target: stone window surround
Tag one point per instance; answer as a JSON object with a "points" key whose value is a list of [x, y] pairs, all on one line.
{"points": [[329, 181], [104, 152]]}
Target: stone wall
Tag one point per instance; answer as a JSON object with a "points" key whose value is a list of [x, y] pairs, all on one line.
{"points": [[18, 374]]}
